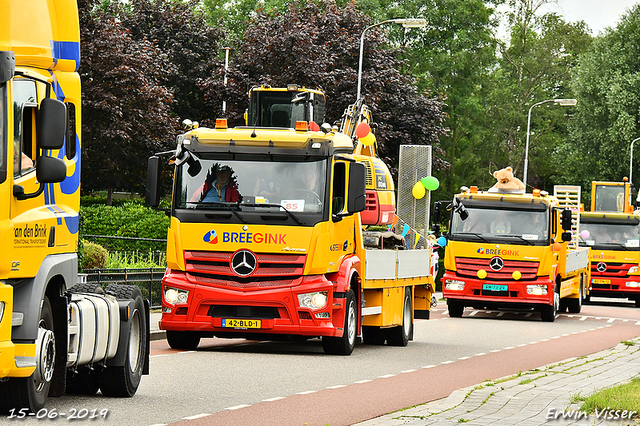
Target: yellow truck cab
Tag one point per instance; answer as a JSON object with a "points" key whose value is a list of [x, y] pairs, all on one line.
{"points": [[612, 230], [266, 237], [55, 335], [510, 249]]}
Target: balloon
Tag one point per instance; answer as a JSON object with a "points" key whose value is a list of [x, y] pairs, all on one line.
{"points": [[367, 140], [430, 183], [516, 275], [585, 234], [442, 241], [418, 190], [482, 274], [362, 130]]}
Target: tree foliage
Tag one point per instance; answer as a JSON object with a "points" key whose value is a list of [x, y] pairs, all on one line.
{"points": [[607, 83], [452, 57], [535, 66], [125, 105], [191, 46], [316, 44]]}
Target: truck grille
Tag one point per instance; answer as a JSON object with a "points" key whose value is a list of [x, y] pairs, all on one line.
{"points": [[616, 270], [272, 269], [469, 266]]}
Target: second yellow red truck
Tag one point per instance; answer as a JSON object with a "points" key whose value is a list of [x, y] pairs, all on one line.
{"points": [[510, 249]]}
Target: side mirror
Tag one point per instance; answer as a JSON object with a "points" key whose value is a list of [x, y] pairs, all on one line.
{"points": [[357, 188], [566, 220], [152, 195], [7, 65], [459, 208], [437, 212], [52, 124], [50, 169]]}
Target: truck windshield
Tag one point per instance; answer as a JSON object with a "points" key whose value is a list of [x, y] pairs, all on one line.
{"points": [[275, 109], [298, 187], [494, 224], [609, 198], [606, 234]]}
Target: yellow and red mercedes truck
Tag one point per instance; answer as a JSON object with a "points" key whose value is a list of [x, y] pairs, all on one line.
{"points": [[53, 336], [612, 230], [510, 249], [266, 238]]}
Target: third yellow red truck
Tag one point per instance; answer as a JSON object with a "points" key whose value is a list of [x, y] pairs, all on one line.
{"points": [[612, 230]]}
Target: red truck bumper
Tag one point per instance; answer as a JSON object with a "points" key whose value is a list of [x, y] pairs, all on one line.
{"points": [[265, 310], [607, 286], [477, 292]]}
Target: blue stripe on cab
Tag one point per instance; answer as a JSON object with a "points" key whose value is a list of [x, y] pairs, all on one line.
{"points": [[69, 50]]}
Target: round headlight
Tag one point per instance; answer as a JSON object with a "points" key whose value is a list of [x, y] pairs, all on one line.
{"points": [[319, 300], [171, 295]]}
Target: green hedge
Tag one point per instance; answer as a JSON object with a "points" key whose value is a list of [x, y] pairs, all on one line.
{"points": [[131, 219]]}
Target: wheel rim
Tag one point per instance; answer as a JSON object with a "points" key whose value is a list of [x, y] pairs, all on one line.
{"points": [[406, 320], [351, 330], [134, 341], [556, 303], [45, 357]]}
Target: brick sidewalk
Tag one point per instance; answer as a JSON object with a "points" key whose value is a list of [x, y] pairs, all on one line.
{"points": [[531, 398]]}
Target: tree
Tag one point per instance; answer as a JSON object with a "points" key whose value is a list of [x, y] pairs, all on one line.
{"points": [[607, 83], [180, 31], [535, 66], [125, 107], [317, 45], [452, 57]]}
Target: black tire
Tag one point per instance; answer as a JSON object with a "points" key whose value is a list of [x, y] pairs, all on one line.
{"points": [[637, 303], [575, 305], [123, 381], [399, 336], [83, 382], [455, 308], [184, 340], [548, 313], [344, 345], [87, 288], [32, 392], [373, 335]]}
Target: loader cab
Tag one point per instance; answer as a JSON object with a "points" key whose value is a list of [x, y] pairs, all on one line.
{"points": [[283, 107]]}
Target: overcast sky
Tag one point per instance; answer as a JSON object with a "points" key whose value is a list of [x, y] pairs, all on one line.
{"points": [[598, 14]]}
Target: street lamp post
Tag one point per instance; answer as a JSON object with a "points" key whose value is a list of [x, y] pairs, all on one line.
{"points": [[631, 162], [406, 23], [561, 102]]}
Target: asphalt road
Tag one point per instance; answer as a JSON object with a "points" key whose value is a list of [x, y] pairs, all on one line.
{"points": [[229, 382]]}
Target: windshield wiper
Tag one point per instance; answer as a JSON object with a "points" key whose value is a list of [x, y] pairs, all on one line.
{"points": [[274, 205], [612, 244], [475, 234], [517, 236], [226, 206]]}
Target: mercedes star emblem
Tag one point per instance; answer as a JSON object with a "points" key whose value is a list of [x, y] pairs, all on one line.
{"points": [[244, 262], [496, 264], [601, 267]]}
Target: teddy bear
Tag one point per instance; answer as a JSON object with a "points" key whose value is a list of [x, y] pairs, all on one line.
{"points": [[506, 180]]}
